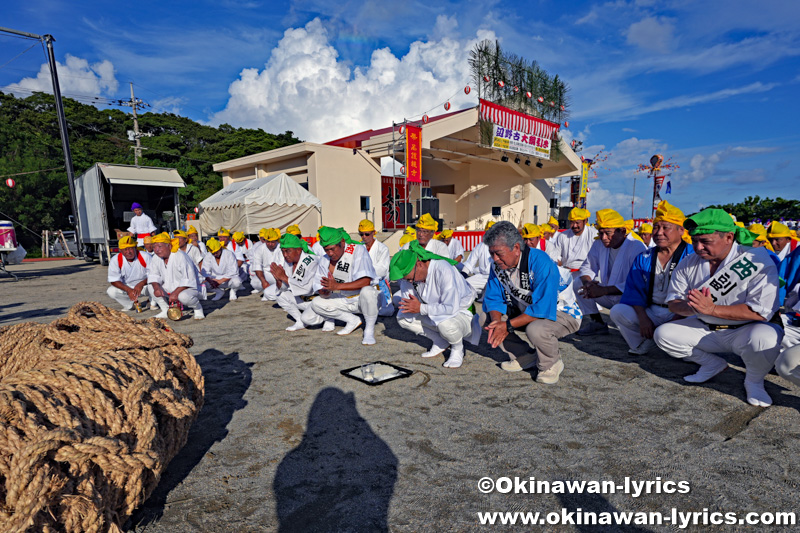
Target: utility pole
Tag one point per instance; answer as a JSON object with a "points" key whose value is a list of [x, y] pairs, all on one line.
{"points": [[135, 104]]}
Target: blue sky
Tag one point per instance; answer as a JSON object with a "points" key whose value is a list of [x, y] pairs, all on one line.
{"points": [[711, 84]]}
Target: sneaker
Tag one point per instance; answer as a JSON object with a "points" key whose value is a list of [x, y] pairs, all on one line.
{"points": [[550, 376], [644, 347], [594, 328], [521, 363]]}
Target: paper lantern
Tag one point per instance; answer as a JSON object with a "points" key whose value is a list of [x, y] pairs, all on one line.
{"points": [[467, 89], [403, 169], [447, 106], [196, 209], [528, 94], [486, 78], [501, 83], [424, 119], [574, 142], [10, 182], [402, 130], [562, 107], [516, 89], [552, 103], [540, 99], [566, 123]]}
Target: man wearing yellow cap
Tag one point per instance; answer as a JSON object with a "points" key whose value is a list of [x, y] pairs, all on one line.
{"points": [[780, 237], [646, 234], [194, 239], [220, 270], [728, 293], [147, 245], [535, 297], [532, 236], [174, 278], [603, 274], [643, 306], [127, 274], [454, 246], [295, 282], [188, 248], [379, 253], [264, 256], [409, 234], [572, 246], [347, 284], [478, 265]]}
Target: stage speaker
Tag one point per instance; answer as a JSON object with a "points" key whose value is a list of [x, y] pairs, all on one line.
{"points": [[496, 211], [429, 205], [406, 213]]}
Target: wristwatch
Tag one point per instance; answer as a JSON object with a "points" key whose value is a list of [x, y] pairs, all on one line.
{"points": [[509, 327]]}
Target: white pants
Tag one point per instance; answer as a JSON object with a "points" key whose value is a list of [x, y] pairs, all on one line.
{"points": [[757, 344], [271, 292], [453, 330], [233, 284], [121, 296], [589, 305], [338, 307], [299, 309], [626, 319], [188, 297], [791, 334], [478, 282]]}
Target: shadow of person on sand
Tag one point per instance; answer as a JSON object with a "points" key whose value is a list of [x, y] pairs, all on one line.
{"points": [[594, 504], [340, 477], [32, 313], [227, 378]]}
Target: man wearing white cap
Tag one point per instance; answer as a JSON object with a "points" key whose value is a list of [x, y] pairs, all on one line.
{"points": [[264, 256], [127, 274], [174, 277], [220, 270]]}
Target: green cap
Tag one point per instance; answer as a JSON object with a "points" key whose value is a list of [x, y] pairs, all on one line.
{"points": [[404, 261], [293, 241], [713, 220]]}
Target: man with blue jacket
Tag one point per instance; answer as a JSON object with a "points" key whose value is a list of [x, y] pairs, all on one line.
{"points": [[643, 306]]}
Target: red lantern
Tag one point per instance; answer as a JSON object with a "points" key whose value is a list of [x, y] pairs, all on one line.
{"points": [[196, 209], [528, 94], [588, 189], [552, 103], [574, 142], [402, 130], [562, 107], [424, 119], [501, 83], [467, 89], [516, 89], [10, 182], [540, 99], [403, 169], [447, 106], [566, 123], [486, 78]]}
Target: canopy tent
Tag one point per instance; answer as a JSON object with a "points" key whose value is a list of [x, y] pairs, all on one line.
{"points": [[270, 202]]}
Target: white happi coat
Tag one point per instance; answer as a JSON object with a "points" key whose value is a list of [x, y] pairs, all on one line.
{"points": [[200, 246], [479, 261], [131, 273], [572, 249], [455, 248], [444, 293], [179, 271], [379, 253], [596, 265], [318, 249], [263, 258], [354, 264], [304, 276], [242, 251], [761, 294], [225, 269], [141, 225], [194, 253]]}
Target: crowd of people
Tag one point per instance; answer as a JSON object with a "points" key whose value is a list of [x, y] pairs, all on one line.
{"points": [[695, 287]]}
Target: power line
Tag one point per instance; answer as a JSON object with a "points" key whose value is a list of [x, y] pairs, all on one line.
{"points": [[31, 172], [16, 56]]}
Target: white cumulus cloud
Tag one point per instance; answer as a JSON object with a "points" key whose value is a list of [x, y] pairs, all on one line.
{"points": [[306, 88], [75, 76]]}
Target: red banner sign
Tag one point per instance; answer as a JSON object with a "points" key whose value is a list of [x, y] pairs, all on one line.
{"points": [[413, 154], [396, 202]]}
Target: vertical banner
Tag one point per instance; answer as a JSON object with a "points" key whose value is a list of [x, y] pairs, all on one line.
{"points": [[585, 176], [413, 154]]}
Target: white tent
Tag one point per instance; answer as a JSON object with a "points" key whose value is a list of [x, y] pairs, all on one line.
{"points": [[270, 202]]}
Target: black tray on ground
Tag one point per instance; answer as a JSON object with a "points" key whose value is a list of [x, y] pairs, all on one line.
{"points": [[386, 374]]}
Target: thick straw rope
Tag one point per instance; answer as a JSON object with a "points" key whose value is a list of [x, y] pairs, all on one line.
{"points": [[92, 409]]}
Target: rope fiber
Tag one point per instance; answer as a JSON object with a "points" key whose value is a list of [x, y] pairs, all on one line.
{"points": [[93, 407]]}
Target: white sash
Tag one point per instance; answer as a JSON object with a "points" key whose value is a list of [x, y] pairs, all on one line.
{"points": [[343, 272], [302, 269], [731, 281], [519, 294]]}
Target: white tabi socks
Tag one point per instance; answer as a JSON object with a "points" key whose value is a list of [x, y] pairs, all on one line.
{"points": [[328, 325], [710, 366], [351, 322], [164, 308], [439, 343], [369, 330], [456, 355]]}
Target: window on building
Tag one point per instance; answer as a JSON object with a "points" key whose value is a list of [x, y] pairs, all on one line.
{"points": [[365, 203]]}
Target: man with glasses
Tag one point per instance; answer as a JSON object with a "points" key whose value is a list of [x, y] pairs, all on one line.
{"points": [[571, 246], [603, 274], [643, 306], [379, 253]]}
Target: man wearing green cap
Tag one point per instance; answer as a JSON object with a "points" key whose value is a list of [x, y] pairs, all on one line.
{"points": [[294, 279], [729, 294], [443, 302], [347, 284]]}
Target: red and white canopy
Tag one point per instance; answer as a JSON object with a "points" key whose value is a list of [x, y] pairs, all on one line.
{"points": [[514, 120]]}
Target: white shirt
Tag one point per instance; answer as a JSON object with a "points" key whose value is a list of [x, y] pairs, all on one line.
{"points": [[194, 253], [140, 225], [761, 293], [263, 257], [785, 251], [318, 249], [479, 261], [200, 246], [361, 267], [611, 272], [379, 253], [455, 248], [434, 245], [239, 250], [303, 277], [444, 293], [131, 273], [572, 249], [225, 269], [661, 283], [179, 271]]}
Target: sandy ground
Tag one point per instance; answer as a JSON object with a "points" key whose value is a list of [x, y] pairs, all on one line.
{"points": [[285, 442]]}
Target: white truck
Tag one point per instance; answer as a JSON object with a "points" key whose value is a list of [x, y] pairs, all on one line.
{"points": [[104, 195]]}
